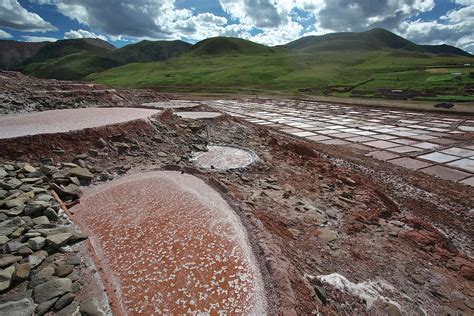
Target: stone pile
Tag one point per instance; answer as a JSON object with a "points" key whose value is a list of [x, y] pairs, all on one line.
{"points": [[38, 271]]}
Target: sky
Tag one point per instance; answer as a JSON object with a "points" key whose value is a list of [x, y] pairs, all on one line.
{"points": [[269, 22]]}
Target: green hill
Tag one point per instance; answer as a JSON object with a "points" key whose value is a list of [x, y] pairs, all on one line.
{"points": [[76, 58], [13, 53], [376, 39], [338, 64], [147, 51], [228, 46], [70, 59]]}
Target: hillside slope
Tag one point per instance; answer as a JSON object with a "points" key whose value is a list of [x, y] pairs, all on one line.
{"points": [[13, 53], [70, 59], [229, 45], [148, 51], [376, 39]]}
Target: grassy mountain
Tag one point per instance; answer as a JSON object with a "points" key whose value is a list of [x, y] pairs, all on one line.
{"points": [[229, 45], [13, 53], [147, 51], [376, 39], [339, 64], [70, 59], [76, 58]]}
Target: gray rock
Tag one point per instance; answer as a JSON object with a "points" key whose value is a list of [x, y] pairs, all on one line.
{"points": [[72, 189], [15, 245], [18, 232], [51, 214], [37, 258], [327, 235], [33, 208], [22, 272], [6, 260], [63, 270], [28, 169], [64, 301], [71, 309], [20, 200], [321, 293], [16, 211], [58, 240], [3, 194], [3, 173], [54, 288], [11, 184], [6, 276], [3, 240], [81, 173], [9, 226], [48, 170], [91, 308], [101, 143], [46, 274], [44, 197], [37, 243], [32, 180], [45, 307], [24, 307], [41, 220]]}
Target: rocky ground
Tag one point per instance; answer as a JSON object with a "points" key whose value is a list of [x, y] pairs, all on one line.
{"points": [[20, 94], [334, 232]]}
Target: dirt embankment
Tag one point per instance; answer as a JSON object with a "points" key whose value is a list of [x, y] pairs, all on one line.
{"points": [[21, 94]]}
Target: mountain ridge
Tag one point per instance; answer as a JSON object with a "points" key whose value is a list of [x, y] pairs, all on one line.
{"points": [[75, 59]]}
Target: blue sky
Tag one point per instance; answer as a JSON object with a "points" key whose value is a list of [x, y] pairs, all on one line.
{"points": [[270, 22]]}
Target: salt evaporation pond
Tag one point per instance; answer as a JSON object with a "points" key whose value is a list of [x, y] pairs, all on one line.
{"points": [[175, 104], [198, 115], [170, 244], [60, 121], [225, 158]]}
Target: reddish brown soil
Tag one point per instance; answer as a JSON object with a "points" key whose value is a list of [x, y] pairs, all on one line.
{"points": [[309, 209]]}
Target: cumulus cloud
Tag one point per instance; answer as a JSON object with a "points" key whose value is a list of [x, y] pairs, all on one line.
{"points": [[82, 34], [140, 18], [350, 15], [454, 28], [270, 22], [4, 34], [14, 16], [38, 39]]}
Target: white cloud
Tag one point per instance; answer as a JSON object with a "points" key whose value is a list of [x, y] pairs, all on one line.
{"points": [[4, 34], [82, 34], [14, 16], [38, 39], [454, 28], [270, 22]]}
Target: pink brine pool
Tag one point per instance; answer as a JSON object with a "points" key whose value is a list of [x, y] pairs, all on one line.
{"points": [[60, 121], [170, 244]]}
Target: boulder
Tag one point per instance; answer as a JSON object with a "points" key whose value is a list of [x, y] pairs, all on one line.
{"points": [[37, 243], [11, 184], [41, 220], [51, 289], [9, 226], [64, 301], [6, 260], [24, 307], [45, 307], [6, 276], [37, 258], [58, 240], [22, 272], [81, 173]]}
